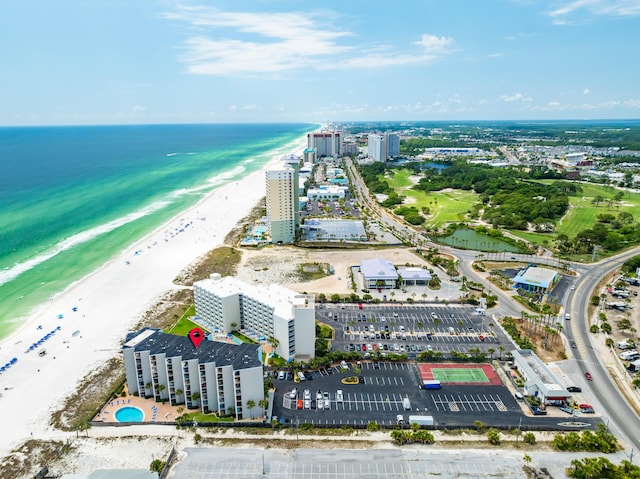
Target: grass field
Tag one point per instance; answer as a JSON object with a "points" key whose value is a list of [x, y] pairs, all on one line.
{"points": [[184, 325], [583, 213], [444, 206]]}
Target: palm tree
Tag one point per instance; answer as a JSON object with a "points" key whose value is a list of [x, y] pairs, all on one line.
{"points": [[264, 404], [250, 405]]}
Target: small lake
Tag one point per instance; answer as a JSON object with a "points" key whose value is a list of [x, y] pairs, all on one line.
{"points": [[466, 238]]}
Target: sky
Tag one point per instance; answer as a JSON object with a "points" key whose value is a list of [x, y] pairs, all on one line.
{"points": [[82, 62]]}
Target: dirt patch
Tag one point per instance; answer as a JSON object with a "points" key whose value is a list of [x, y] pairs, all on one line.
{"points": [[282, 265], [32, 456]]}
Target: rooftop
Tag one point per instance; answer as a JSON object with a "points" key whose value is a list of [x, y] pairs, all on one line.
{"points": [[239, 356]]}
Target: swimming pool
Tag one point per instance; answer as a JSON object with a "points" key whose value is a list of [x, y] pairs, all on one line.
{"points": [[129, 414]]}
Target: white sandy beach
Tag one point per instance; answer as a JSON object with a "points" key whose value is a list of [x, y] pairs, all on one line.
{"points": [[109, 302]]}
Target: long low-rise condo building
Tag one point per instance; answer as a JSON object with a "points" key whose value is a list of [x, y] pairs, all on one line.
{"points": [[215, 376], [271, 311]]}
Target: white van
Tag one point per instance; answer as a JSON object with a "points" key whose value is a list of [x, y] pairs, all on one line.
{"points": [[344, 365], [480, 311], [301, 376]]}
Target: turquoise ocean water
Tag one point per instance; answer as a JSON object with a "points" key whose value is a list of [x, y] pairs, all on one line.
{"points": [[71, 198]]}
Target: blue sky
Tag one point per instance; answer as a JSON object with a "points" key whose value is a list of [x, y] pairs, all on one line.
{"points": [[159, 61]]}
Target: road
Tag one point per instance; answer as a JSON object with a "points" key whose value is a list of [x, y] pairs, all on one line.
{"points": [[603, 387]]}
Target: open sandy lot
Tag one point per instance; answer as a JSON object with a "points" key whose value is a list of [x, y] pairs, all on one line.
{"points": [[280, 264]]}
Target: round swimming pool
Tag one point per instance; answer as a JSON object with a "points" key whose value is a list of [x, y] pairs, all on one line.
{"points": [[129, 414]]}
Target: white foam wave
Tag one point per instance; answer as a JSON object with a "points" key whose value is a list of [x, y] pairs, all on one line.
{"points": [[227, 175], [68, 243]]}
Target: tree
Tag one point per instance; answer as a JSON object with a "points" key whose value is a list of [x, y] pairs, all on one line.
{"points": [[264, 404], [250, 405], [157, 465], [493, 436]]}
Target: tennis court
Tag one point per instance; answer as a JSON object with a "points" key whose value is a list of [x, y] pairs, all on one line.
{"points": [[452, 373]]}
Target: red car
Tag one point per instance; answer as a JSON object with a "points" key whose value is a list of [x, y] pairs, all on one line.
{"points": [[588, 376]]}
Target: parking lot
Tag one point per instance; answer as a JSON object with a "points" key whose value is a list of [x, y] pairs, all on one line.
{"points": [[407, 329], [382, 395]]}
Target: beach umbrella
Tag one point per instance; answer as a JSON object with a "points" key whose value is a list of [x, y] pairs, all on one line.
{"points": [[31, 347], [13, 360], [58, 328], [53, 331], [75, 308], [60, 316]]}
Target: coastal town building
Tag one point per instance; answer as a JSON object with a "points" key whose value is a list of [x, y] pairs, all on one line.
{"points": [[392, 144], [378, 273], [536, 280], [327, 192], [376, 147], [325, 143], [412, 275], [282, 202], [539, 381], [271, 311], [214, 376]]}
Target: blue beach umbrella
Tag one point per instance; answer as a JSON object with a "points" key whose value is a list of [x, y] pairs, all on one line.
{"points": [[58, 328], [60, 316]]}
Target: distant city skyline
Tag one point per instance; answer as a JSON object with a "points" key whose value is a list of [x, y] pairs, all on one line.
{"points": [[73, 62]]}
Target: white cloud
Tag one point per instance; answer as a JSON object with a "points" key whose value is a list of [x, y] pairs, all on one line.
{"points": [[586, 91], [241, 43], [565, 13], [433, 44], [515, 97], [139, 108]]}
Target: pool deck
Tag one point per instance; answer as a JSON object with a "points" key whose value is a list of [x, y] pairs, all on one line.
{"points": [[153, 411]]}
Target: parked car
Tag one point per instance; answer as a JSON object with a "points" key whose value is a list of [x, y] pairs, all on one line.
{"points": [[567, 409], [294, 393], [586, 408], [339, 396], [538, 412], [574, 389], [588, 376]]}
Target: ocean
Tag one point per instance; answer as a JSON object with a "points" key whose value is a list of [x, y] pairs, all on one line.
{"points": [[71, 198]]}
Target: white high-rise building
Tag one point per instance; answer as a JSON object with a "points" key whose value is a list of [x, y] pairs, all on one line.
{"points": [[377, 150], [282, 202], [229, 304], [326, 143], [216, 377]]}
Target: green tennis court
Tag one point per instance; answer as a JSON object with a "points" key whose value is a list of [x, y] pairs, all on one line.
{"points": [[460, 375]]}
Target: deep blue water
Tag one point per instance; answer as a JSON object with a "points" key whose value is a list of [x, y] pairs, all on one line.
{"points": [[72, 197]]}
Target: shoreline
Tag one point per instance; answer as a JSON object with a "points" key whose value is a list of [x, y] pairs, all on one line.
{"points": [[108, 301]]}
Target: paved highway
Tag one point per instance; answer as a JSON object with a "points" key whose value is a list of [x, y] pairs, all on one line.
{"points": [[603, 387]]}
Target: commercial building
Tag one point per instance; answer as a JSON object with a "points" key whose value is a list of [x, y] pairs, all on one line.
{"points": [[327, 192], [216, 377], [536, 280], [282, 202], [539, 381], [270, 311], [326, 143], [378, 273], [414, 276]]}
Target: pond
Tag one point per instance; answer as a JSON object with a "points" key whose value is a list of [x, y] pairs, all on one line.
{"points": [[466, 238]]}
